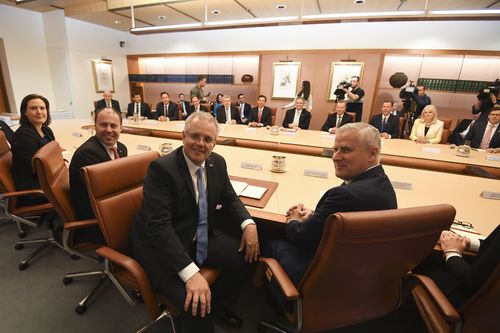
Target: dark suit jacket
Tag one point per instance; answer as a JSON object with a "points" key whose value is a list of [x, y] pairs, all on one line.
{"points": [[266, 117], [331, 121], [25, 144], [145, 110], [391, 126], [305, 118], [166, 224], [172, 109], [9, 133], [476, 134], [246, 111], [455, 136], [191, 109], [186, 107], [89, 153], [235, 115], [102, 104]]}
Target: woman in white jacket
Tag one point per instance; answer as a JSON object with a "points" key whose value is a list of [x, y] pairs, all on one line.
{"points": [[427, 128]]}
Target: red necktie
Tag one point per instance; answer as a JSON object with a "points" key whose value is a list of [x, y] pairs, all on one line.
{"points": [[486, 137], [115, 152], [260, 116]]}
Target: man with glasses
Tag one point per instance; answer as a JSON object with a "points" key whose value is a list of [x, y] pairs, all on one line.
{"points": [[189, 215], [486, 134]]}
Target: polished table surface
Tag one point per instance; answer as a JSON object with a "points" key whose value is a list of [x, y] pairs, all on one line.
{"points": [[428, 187]]}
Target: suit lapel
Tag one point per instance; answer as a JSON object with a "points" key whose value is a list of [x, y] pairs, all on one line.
{"points": [[100, 148], [210, 170], [185, 171]]}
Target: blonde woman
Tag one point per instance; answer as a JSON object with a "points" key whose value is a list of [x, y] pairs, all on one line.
{"points": [[427, 128]]}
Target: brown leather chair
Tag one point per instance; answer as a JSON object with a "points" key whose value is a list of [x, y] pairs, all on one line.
{"points": [[352, 114], [273, 116], [478, 314], [446, 130], [115, 201], [28, 215], [361, 260], [53, 175]]}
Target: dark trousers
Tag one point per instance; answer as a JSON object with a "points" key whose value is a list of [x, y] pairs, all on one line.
{"points": [[222, 254]]}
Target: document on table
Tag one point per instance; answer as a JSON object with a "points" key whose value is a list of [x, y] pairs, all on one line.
{"points": [[245, 190]]}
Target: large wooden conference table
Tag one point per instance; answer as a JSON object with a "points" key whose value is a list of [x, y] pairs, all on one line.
{"points": [[398, 152], [428, 187]]}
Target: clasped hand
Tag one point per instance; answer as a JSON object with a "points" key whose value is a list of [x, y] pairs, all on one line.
{"points": [[299, 213]]}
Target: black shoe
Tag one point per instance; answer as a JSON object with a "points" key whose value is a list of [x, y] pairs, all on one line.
{"points": [[226, 316]]}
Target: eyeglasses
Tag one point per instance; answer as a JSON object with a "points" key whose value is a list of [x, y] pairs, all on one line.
{"points": [[196, 137], [466, 225]]}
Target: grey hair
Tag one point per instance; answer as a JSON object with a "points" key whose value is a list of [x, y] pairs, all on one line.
{"points": [[368, 134], [202, 116]]}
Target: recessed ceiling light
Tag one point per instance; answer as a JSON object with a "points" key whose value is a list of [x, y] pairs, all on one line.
{"points": [[358, 2], [118, 22], [215, 11], [280, 6], [162, 17]]}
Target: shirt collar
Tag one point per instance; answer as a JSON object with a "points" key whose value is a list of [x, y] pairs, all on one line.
{"points": [[350, 180]]}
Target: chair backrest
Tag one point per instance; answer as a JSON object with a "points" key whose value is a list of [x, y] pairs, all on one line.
{"points": [[481, 311], [53, 175], [115, 191], [447, 123], [6, 180], [363, 256], [353, 115], [273, 116]]}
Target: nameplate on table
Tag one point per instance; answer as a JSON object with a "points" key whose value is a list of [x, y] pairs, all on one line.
{"points": [[402, 185], [251, 166], [251, 130], [77, 134], [143, 147], [431, 150], [287, 133], [490, 195], [493, 158], [315, 173]]}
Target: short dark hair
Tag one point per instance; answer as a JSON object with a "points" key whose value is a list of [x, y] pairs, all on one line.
{"points": [[164, 92], [99, 111], [201, 77], [265, 98], [24, 107], [355, 77], [421, 85], [135, 94], [240, 94], [180, 94], [388, 101]]}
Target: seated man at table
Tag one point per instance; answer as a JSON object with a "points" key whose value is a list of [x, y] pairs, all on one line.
{"points": [[180, 228], [196, 106], [184, 105], [244, 108], [457, 137], [337, 119], [261, 114], [298, 117], [366, 187], [228, 114], [386, 123], [107, 102], [101, 147], [486, 134], [142, 109], [166, 110]]}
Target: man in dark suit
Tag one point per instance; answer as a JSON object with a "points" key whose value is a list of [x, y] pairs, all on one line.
{"points": [[298, 117], [9, 133], [184, 105], [196, 106], [107, 102], [180, 227], [166, 110], [337, 119], [486, 134], [457, 137], [228, 114], [142, 109], [366, 187], [386, 123], [244, 108], [261, 114], [101, 147]]}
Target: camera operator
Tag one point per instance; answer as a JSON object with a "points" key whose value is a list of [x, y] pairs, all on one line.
{"points": [[486, 99], [354, 97], [421, 100]]}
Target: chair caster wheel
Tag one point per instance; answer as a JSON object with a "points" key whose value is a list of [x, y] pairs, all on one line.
{"points": [[67, 280], [75, 257], [19, 246], [22, 234], [80, 309], [23, 266]]}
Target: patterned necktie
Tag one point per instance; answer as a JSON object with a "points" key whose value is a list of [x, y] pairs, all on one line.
{"points": [[202, 230], [384, 121], [486, 137], [339, 120], [115, 152]]}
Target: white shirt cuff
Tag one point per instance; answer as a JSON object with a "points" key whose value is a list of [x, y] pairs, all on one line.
{"points": [[246, 222], [451, 254], [474, 244], [188, 272]]}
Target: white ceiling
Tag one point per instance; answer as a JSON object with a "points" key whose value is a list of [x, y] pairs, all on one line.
{"points": [[117, 13]]}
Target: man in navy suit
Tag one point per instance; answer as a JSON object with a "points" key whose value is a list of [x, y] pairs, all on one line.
{"points": [[386, 123], [486, 134], [298, 117], [337, 119], [261, 114], [166, 110], [244, 109], [107, 102], [142, 109], [184, 105], [457, 137], [366, 187], [228, 114]]}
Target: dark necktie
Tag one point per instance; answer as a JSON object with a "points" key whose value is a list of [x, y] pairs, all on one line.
{"points": [[339, 120], [108, 104], [165, 110], [115, 152], [202, 230], [384, 121], [137, 109]]}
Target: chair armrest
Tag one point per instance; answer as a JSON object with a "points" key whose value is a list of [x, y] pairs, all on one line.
{"points": [[439, 299], [284, 282], [38, 192], [80, 224]]}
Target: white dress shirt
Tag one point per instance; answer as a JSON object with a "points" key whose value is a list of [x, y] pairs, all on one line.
{"points": [[296, 119]]}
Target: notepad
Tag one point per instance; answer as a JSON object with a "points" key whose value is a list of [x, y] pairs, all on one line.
{"points": [[245, 190]]}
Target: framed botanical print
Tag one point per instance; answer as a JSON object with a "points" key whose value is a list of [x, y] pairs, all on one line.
{"points": [[103, 75], [342, 72], [286, 79]]}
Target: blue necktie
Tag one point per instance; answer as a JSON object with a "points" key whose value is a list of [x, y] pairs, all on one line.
{"points": [[384, 121], [202, 230]]}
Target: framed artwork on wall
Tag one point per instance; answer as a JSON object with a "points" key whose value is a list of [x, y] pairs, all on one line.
{"points": [[286, 79], [103, 75], [343, 71]]}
